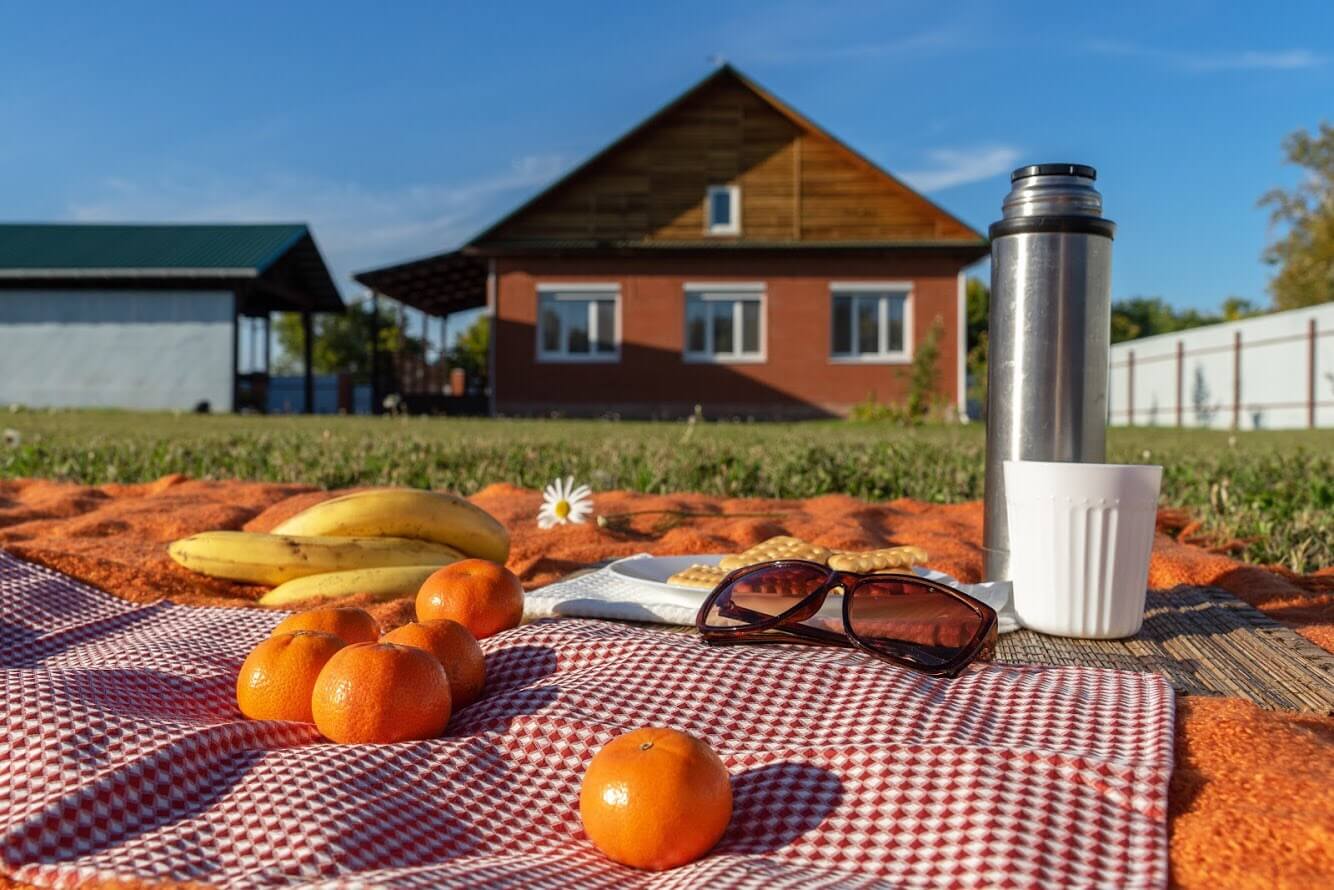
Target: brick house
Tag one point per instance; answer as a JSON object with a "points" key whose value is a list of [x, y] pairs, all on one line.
{"points": [[726, 252]]}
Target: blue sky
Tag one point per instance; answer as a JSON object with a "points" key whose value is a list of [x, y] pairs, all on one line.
{"points": [[399, 130]]}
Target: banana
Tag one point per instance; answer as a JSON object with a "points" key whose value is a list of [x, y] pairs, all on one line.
{"points": [[406, 513], [274, 559], [378, 584]]}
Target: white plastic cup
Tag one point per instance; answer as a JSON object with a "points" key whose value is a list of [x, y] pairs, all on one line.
{"points": [[1080, 537]]}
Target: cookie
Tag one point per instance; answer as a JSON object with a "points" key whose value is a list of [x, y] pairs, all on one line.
{"points": [[781, 547], [704, 577], [877, 560]]}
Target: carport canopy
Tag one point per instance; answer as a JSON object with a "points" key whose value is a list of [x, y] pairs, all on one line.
{"points": [[437, 285]]}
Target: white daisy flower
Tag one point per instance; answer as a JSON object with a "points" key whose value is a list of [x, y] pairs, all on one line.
{"points": [[563, 503], [13, 438]]}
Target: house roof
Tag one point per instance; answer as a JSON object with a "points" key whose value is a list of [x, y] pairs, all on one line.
{"points": [[723, 73], [455, 280], [278, 264]]}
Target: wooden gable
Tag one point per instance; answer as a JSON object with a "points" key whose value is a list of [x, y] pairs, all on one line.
{"points": [[798, 184]]}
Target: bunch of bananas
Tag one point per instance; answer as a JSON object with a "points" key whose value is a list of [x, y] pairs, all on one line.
{"points": [[381, 543]]}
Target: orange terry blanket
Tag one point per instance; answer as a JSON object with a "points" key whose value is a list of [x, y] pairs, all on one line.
{"points": [[1252, 796]]}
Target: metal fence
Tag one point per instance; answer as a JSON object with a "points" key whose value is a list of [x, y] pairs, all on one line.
{"points": [[1270, 372]]}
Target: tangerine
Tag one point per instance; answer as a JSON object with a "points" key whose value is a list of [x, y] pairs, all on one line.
{"points": [[278, 675], [655, 798], [348, 623], [457, 650], [483, 596], [381, 692]]}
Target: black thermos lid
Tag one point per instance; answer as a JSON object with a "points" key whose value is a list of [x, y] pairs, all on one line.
{"points": [[1083, 170]]}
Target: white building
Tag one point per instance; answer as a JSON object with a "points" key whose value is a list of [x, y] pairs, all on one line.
{"points": [[1269, 372], [150, 317]]}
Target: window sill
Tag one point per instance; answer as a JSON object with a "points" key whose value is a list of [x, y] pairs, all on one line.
{"points": [[724, 359], [901, 359], [606, 359]]}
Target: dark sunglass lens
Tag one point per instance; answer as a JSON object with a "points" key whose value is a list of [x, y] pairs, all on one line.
{"points": [[764, 592], [913, 621]]}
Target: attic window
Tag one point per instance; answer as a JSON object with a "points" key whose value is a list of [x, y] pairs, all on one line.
{"points": [[722, 208]]}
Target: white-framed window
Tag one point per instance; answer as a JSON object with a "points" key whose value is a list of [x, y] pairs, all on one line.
{"points": [[871, 322], [722, 210], [578, 322], [725, 323]]}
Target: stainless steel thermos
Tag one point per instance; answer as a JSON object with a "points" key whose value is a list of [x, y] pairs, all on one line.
{"points": [[1049, 333]]}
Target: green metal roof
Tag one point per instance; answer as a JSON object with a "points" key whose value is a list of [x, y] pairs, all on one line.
{"points": [[175, 247], [279, 255]]}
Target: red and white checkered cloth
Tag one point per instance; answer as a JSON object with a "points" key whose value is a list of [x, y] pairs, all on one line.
{"points": [[123, 756]]}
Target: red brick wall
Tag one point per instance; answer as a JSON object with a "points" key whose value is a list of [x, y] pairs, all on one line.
{"points": [[652, 378]]}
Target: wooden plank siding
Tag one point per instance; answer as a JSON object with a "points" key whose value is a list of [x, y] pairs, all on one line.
{"points": [[797, 183]]}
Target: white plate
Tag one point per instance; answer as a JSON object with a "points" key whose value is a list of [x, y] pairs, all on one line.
{"points": [[653, 571]]}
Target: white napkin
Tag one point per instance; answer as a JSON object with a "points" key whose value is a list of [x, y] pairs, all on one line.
{"points": [[604, 594]]}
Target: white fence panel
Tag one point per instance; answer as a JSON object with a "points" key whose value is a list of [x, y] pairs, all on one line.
{"points": [[1271, 372]]}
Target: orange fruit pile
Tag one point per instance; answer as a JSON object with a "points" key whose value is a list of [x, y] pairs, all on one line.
{"points": [[652, 798], [483, 596], [655, 799], [278, 676], [381, 692], [331, 666], [348, 624], [455, 648]]}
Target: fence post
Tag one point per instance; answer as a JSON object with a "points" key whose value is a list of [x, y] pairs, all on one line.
{"points": [[1310, 372], [1130, 387], [1236, 380], [1181, 379]]}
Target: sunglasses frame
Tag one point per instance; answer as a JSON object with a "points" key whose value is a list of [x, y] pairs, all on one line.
{"points": [[786, 627]]}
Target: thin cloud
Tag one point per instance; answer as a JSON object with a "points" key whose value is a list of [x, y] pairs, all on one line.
{"points": [[1211, 61], [356, 227], [952, 166]]}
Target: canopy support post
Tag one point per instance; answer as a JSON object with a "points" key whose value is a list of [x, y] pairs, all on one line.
{"points": [[376, 404], [308, 346]]}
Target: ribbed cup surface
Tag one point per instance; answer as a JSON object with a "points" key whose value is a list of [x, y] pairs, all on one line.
{"points": [[1079, 564]]}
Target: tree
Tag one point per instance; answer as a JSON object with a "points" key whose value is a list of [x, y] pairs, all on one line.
{"points": [[1237, 308], [471, 349], [977, 298], [1305, 254], [342, 342], [1145, 316], [925, 372]]}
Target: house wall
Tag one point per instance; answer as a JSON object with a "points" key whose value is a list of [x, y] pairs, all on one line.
{"points": [[651, 378], [1272, 369], [146, 349]]}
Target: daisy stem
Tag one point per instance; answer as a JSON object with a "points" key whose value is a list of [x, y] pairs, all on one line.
{"points": [[607, 519]]}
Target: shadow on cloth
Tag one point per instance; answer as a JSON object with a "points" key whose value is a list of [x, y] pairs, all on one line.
{"points": [[105, 697], [153, 792], [511, 691], [393, 804], [21, 646], [151, 694], [775, 804]]}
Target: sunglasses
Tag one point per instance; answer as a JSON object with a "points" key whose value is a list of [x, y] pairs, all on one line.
{"points": [[900, 618]]}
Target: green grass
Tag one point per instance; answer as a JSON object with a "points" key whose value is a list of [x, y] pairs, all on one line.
{"points": [[1274, 490]]}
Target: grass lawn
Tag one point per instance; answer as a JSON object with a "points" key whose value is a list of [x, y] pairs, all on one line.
{"points": [[1274, 490]]}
